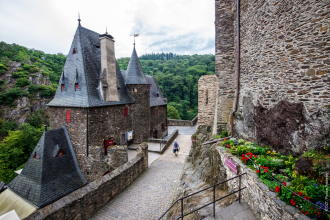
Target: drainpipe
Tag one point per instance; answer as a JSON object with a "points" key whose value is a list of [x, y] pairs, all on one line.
{"points": [[238, 67]]}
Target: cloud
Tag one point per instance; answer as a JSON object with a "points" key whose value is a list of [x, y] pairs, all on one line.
{"points": [[179, 26]]}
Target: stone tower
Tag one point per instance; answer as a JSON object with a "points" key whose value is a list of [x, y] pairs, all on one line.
{"points": [[139, 88]]}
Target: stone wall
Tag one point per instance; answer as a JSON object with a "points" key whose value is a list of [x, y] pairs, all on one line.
{"points": [[208, 87], [77, 128], [284, 96], [263, 202], [225, 59], [177, 122], [140, 112], [86, 201], [158, 121]]}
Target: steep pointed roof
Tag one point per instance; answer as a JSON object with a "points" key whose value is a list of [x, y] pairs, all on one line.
{"points": [[84, 62], [134, 73], [156, 96], [51, 172]]}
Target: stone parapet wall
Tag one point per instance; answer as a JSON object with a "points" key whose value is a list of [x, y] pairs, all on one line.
{"points": [[86, 201], [177, 122], [208, 87], [263, 202]]}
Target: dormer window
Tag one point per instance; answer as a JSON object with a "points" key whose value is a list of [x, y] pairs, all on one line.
{"points": [[36, 156], [60, 153], [62, 87], [76, 86], [74, 51]]}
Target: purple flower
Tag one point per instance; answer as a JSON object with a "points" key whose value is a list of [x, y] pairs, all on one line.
{"points": [[320, 204]]}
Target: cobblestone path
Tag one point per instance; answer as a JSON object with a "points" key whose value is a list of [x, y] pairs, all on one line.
{"points": [[151, 194]]}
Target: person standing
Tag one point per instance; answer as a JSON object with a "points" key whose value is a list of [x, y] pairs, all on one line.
{"points": [[176, 148]]}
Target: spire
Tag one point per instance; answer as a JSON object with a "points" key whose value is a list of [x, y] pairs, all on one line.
{"points": [[135, 35], [135, 74], [79, 20], [106, 30]]}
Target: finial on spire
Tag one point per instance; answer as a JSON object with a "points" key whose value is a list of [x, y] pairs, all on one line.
{"points": [[106, 30], [135, 35], [79, 20]]}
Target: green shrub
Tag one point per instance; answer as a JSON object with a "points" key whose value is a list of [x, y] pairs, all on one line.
{"points": [[3, 68], [271, 162], [38, 119], [21, 82], [44, 91], [30, 68], [20, 74], [6, 126], [9, 96]]}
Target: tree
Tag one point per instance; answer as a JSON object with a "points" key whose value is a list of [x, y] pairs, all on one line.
{"points": [[172, 112], [16, 148]]}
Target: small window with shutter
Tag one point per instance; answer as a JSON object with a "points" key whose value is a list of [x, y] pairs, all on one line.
{"points": [[125, 111], [68, 116]]}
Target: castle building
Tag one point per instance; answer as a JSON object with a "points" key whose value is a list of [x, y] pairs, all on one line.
{"points": [[101, 105]]}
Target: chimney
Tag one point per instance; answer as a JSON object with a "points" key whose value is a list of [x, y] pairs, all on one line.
{"points": [[108, 68]]}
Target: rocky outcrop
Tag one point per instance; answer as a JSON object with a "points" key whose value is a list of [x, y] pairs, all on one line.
{"points": [[22, 106], [286, 126]]}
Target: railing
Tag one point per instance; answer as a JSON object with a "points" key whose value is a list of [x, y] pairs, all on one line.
{"points": [[182, 214]]}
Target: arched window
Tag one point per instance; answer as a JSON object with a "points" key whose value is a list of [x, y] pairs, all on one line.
{"points": [[74, 51]]}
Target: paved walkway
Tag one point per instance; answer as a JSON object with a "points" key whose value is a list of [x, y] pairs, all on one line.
{"points": [[152, 193]]}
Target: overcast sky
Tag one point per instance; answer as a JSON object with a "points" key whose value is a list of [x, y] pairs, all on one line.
{"points": [[179, 26]]}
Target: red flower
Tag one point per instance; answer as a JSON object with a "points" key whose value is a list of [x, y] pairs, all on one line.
{"points": [[257, 171], [318, 213], [277, 189], [284, 183], [300, 193], [266, 171], [292, 202], [307, 197]]}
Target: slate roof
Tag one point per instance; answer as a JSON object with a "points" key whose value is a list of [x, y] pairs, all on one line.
{"points": [[134, 73], [47, 176], [83, 64], [156, 97]]}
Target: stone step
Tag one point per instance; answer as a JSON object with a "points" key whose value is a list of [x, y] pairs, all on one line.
{"points": [[235, 211]]}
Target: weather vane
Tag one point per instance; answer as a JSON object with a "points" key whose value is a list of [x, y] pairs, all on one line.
{"points": [[135, 35], [79, 20]]}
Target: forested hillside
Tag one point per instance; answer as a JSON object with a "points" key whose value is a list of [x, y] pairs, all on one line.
{"points": [[28, 79], [177, 76]]}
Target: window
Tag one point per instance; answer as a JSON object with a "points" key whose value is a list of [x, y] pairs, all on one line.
{"points": [[125, 111], [207, 97], [157, 94], [60, 153], [68, 116], [76, 86], [74, 51], [62, 87], [36, 156]]}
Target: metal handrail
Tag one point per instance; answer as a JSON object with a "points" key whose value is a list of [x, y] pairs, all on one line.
{"points": [[213, 202]]}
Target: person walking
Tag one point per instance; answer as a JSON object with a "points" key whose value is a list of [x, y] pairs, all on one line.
{"points": [[176, 148]]}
